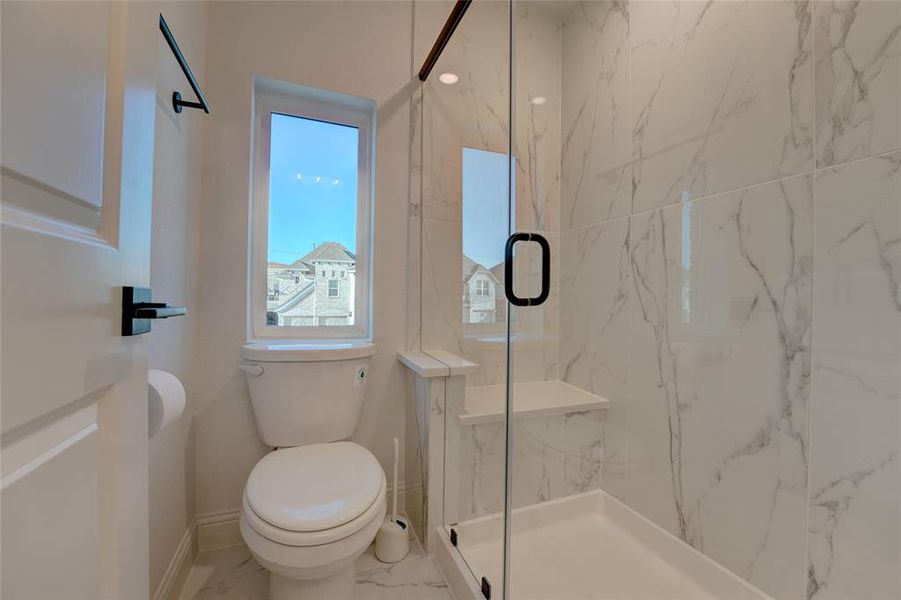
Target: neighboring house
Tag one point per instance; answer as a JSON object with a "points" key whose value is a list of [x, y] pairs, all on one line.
{"points": [[317, 289], [482, 292]]}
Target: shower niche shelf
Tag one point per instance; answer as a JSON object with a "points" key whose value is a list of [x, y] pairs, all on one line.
{"points": [[485, 403]]}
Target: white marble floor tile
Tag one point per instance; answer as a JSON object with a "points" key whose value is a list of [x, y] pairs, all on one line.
{"points": [[233, 574], [228, 574]]}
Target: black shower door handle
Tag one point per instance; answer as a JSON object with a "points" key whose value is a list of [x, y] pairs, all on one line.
{"points": [[545, 269]]}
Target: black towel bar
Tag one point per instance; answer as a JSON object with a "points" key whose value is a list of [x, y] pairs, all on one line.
{"points": [[177, 102]]}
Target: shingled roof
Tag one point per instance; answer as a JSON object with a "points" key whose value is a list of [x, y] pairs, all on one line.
{"points": [[327, 251]]}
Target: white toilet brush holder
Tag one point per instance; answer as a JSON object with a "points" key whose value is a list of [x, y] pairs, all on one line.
{"points": [[392, 542]]}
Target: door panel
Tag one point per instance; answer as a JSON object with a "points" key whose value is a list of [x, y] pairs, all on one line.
{"points": [[78, 83], [60, 116]]}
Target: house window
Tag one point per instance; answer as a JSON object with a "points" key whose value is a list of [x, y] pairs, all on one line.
{"points": [[311, 196], [488, 210]]}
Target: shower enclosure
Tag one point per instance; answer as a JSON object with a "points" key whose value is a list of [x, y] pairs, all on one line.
{"points": [[708, 401]]}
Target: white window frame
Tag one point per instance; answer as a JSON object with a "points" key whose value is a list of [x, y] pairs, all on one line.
{"points": [[337, 288], [271, 96]]}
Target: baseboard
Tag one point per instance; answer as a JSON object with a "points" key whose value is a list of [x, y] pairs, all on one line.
{"points": [[176, 574], [220, 529]]}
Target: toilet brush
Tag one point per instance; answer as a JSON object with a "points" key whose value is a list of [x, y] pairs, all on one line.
{"points": [[392, 542]]}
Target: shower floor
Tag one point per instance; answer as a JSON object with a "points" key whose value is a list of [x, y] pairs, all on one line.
{"points": [[592, 546]]}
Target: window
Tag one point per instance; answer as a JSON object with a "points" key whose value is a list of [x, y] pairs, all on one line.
{"points": [[487, 210], [311, 196]]}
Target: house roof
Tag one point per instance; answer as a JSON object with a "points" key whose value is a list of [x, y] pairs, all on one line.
{"points": [[293, 300], [327, 251], [277, 265], [471, 267], [498, 271]]}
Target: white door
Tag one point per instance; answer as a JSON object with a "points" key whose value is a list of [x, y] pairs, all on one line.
{"points": [[76, 149]]}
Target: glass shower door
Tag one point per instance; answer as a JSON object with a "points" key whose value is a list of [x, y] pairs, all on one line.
{"points": [[465, 221]]}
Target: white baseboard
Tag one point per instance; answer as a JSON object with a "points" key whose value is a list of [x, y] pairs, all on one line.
{"points": [[218, 530], [176, 574]]}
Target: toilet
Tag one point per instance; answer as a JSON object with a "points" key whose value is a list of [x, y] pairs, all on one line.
{"points": [[313, 505]]}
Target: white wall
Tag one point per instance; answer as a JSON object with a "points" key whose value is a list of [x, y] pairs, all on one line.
{"points": [[355, 48], [173, 269]]}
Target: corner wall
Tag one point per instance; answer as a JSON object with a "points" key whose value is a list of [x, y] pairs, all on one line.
{"points": [[173, 270]]}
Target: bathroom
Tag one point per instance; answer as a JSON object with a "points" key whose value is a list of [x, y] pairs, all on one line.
{"points": [[589, 299]]}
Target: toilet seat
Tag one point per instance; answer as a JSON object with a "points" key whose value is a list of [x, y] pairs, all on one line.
{"points": [[315, 494]]}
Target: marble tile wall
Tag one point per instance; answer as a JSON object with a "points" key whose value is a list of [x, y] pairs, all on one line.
{"points": [[855, 474], [474, 113], [726, 224], [553, 456], [730, 263]]}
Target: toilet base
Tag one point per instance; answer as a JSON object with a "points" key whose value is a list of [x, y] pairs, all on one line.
{"points": [[334, 587]]}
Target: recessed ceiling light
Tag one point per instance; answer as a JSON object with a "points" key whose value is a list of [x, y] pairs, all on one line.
{"points": [[539, 100], [448, 78]]}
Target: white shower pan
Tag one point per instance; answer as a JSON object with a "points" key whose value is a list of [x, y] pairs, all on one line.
{"points": [[586, 546]]}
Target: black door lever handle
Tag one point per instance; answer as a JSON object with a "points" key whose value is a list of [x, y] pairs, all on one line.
{"points": [[138, 310], [159, 312]]}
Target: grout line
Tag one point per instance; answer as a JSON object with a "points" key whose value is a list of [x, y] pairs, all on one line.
{"points": [[813, 269], [716, 195], [812, 382], [858, 160]]}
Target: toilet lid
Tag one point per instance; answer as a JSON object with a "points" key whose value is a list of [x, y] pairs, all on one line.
{"points": [[314, 487]]}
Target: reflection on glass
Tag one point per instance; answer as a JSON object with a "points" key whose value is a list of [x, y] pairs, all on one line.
{"points": [[485, 230]]}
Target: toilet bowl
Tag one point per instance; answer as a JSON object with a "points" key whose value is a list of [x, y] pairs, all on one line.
{"points": [[313, 505], [308, 513]]}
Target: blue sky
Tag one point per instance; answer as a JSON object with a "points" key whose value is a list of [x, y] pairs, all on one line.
{"points": [[484, 205], [312, 186], [313, 192]]}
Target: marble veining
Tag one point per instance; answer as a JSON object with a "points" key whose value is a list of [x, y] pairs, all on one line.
{"points": [[858, 78], [713, 109], [233, 574], [697, 165], [594, 291], [854, 549], [722, 299], [553, 456], [596, 151]]}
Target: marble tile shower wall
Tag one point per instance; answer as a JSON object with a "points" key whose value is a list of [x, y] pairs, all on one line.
{"points": [[554, 456], [730, 275], [473, 114]]}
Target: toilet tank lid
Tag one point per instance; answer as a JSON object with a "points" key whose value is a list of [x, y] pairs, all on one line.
{"points": [[306, 352]]}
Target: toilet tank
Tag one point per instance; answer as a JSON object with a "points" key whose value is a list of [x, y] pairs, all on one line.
{"points": [[305, 393]]}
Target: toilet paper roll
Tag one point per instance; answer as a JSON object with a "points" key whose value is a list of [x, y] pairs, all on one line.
{"points": [[167, 400]]}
